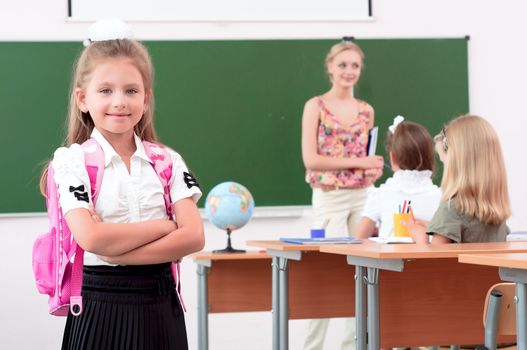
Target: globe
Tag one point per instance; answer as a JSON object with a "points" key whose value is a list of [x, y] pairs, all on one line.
{"points": [[229, 206]]}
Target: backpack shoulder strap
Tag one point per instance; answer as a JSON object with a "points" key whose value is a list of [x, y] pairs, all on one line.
{"points": [[162, 164], [94, 161]]}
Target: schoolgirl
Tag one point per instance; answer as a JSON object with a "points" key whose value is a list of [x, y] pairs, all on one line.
{"points": [[129, 295]]}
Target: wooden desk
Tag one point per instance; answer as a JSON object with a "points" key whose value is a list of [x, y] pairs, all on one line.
{"points": [[512, 268], [435, 301], [235, 282], [306, 288]]}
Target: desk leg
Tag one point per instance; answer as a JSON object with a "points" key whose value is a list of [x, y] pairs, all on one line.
{"points": [[521, 315], [360, 309], [373, 308], [283, 304], [276, 304], [203, 308]]}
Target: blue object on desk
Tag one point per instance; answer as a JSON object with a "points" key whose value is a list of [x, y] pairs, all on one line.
{"points": [[318, 233]]}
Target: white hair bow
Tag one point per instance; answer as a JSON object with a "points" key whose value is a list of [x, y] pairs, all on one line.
{"points": [[108, 29], [396, 121]]}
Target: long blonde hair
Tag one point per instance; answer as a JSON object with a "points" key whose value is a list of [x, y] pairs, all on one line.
{"points": [[474, 173], [80, 125]]}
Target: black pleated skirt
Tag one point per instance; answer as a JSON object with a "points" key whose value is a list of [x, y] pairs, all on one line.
{"points": [[128, 308]]}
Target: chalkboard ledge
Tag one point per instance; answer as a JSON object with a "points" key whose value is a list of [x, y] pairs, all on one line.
{"points": [[22, 215], [285, 211]]}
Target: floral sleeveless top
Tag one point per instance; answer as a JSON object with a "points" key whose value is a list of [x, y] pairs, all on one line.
{"points": [[341, 141]]}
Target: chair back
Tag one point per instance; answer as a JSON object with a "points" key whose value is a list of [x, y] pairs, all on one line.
{"points": [[506, 314]]}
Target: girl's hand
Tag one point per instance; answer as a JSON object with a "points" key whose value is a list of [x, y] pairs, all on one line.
{"points": [[372, 162], [417, 229], [94, 214]]}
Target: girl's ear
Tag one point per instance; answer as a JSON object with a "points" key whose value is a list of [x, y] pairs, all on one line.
{"points": [[329, 69], [148, 95], [80, 98], [393, 162], [440, 151]]}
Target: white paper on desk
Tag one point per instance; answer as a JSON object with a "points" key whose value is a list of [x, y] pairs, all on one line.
{"points": [[372, 140], [392, 240], [320, 241], [517, 236]]}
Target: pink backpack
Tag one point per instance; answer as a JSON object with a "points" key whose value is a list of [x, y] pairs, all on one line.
{"points": [[55, 273]]}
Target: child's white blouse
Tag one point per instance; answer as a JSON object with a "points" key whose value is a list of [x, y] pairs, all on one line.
{"points": [[410, 185], [123, 197]]}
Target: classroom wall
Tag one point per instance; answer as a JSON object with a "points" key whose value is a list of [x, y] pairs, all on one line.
{"points": [[497, 56]]}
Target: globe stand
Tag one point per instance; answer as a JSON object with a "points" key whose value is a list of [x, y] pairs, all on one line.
{"points": [[229, 248]]}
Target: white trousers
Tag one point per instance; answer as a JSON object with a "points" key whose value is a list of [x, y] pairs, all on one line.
{"points": [[343, 209]]}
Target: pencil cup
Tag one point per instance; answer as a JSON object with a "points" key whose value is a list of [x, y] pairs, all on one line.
{"points": [[318, 233], [400, 224]]}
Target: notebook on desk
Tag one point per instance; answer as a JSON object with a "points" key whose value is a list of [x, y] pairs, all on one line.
{"points": [[318, 241]]}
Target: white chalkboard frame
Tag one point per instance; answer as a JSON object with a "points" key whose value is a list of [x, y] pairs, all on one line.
{"points": [[221, 11]]}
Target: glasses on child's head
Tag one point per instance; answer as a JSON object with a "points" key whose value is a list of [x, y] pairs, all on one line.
{"points": [[444, 140]]}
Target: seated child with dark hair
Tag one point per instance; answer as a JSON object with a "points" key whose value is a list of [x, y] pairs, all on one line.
{"points": [[411, 151]]}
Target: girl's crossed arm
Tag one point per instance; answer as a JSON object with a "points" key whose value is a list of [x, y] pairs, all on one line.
{"points": [[365, 229], [186, 239], [114, 239]]}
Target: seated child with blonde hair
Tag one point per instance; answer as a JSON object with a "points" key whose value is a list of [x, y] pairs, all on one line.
{"points": [[475, 201]]}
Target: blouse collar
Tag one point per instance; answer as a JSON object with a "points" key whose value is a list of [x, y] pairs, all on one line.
{"points": [[410, 181], [109, 151]]}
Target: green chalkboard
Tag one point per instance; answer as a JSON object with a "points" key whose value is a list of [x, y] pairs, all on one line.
{"points": [[231, 108]]}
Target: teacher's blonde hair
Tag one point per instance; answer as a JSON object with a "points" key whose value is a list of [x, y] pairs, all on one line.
{"points": [[474, 173]]}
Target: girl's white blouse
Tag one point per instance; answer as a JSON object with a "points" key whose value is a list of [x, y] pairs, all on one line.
{"points": [[410, 185], [123, 197]]}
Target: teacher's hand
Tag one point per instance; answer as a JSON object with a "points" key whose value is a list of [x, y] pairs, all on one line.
{"points": [[373, 174], [372, 162]]}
